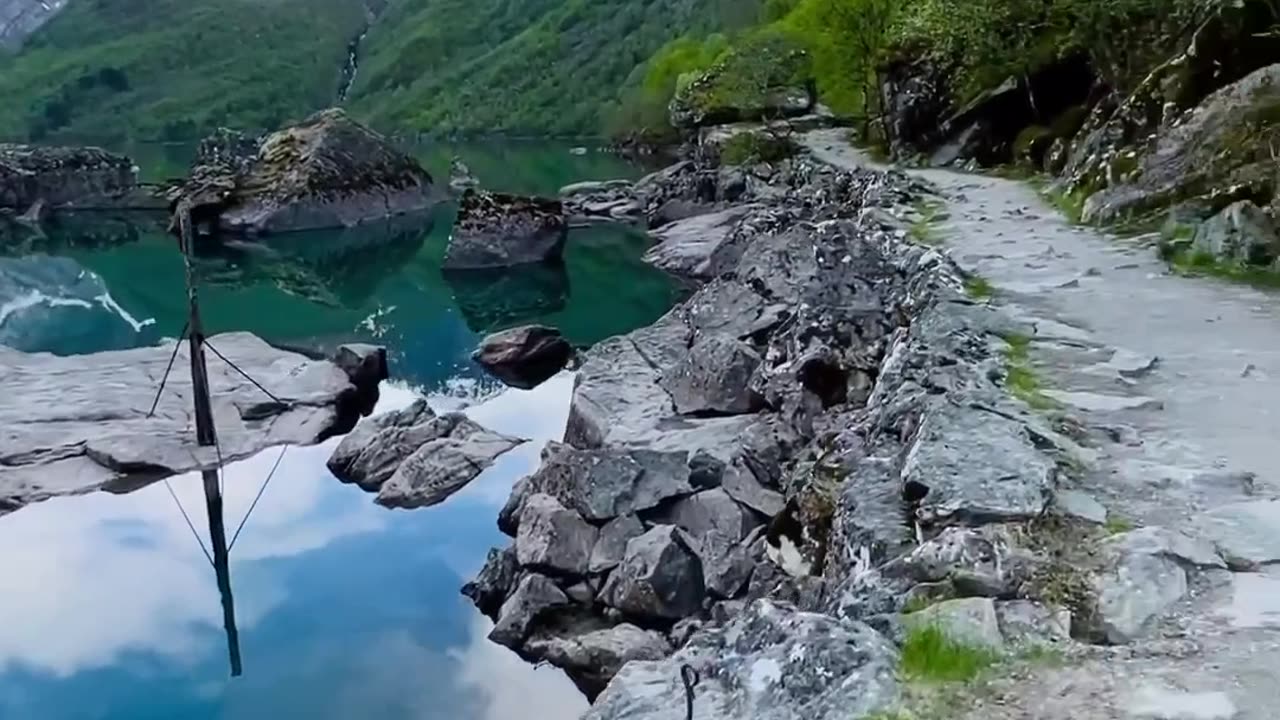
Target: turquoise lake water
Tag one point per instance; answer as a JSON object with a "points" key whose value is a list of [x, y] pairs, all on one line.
{"points": [[345, 609]]}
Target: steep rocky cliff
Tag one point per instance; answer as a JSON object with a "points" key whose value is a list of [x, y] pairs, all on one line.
{"points": [[20, 18]]}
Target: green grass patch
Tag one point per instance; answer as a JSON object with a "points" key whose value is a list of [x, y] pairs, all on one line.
{"points": [[1068, 202], [1021, 379], [1200, 264], [978, 288], [930, 655], [924, 230], [1116, 525]]}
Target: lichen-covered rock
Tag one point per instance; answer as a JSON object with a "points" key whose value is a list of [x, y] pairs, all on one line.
{"points": [[495, 230], [593, 658], [767, 78], [63, 176], [1241, 233], [496, 580], [715, 377], [1146, 573], [524, 357], [326, 171], [659, 578], [552, 538], [413, 458], [533, 598], [772, 663], [971, 621]]}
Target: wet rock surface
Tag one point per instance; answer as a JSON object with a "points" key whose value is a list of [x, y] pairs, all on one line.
{"points": [[524, 357], [79, 423], [324, 172], [496, 230], [415, 458]]}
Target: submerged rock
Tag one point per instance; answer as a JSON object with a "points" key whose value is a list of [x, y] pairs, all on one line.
{"points": [[771, 662], [496, 230], [63, 177], [78, 423], [524, 357], [414, 458], [326, 171]]}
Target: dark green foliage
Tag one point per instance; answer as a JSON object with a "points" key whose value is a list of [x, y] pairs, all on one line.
{"points": [[151, 69], [523, 66], [756, 147]]}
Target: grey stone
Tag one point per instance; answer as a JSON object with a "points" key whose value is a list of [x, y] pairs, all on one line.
{"points": [[1174, 545], [552, 538], [971, 621], [1101, 403], [595, 657], [524, 357], [1028, 623], [495, 230], [32, 175], [659, 578], [74, 424], [976, 466], [1240, 233], [413, 458], [1076, 504], [772, 662], [741, 485], [612, 543], [715, 377], [1135, 590], [608, 483], [977, 561], [533, 598], [1153, 702], [495, 581], [326, 171], [1248, 533], [688, 247]]}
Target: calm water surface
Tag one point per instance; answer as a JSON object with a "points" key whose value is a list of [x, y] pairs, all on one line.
{"points": [[345, 609]]}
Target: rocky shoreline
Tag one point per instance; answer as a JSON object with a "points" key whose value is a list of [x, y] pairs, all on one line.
{"points": [[816, 440]]}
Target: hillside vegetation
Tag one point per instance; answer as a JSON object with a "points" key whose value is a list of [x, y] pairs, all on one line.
{"points": [[155, 69], [519, 66]]}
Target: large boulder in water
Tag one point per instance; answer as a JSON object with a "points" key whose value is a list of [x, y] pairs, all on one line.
{"points": [[327, 171], [63, 176], [499, 230], [524, 357]]}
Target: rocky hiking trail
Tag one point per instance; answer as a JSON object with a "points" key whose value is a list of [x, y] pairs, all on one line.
{"points": [[1170, 384]]}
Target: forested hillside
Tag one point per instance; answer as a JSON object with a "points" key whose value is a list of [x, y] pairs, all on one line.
{"points": [[155, 69], [519, 66]]}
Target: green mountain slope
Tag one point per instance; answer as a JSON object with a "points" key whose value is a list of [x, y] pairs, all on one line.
{"points": [[518, 66], [155, 69]]}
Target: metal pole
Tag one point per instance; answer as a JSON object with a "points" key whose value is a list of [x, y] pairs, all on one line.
{"points": [[207, 436]]}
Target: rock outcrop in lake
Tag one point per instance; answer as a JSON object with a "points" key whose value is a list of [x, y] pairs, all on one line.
{"points": [[773, 460], [496, 230], [327, 171], [63, 177], [84, 422], [413, 458], [524, 357]]}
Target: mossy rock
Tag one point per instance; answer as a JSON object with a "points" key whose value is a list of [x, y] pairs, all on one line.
{"points": [[767, 76], [1032, 144]]}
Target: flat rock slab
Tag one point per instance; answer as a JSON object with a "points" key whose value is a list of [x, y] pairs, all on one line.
{"points": [[1247, 533], [74, 424], [1255, 600], [1098, 402], [687, 247], [1152, 702]]}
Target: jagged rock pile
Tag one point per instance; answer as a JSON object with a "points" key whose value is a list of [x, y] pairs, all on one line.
{"points": [[770, 449], [326, 171], [62, 176]]}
